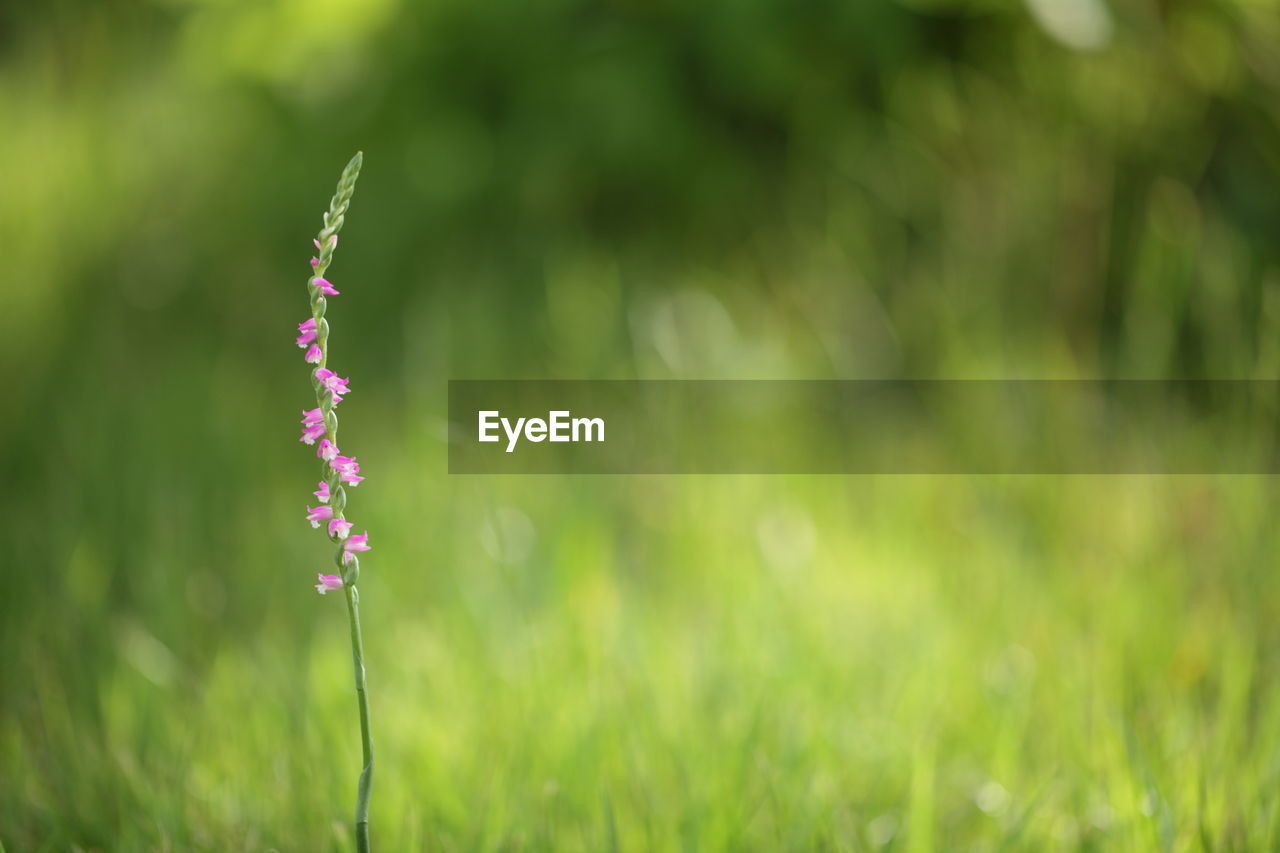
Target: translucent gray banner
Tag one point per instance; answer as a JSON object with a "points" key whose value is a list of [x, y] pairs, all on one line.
{"points": [[864, 427]]}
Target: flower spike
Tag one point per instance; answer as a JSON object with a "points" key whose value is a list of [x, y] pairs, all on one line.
{"points": [[320, 428]]}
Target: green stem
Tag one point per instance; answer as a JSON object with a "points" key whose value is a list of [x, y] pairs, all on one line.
{"points": [[366, 737]]}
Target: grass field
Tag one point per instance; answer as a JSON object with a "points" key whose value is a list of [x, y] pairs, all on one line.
{"points": [[719, 663], [729, 189]]}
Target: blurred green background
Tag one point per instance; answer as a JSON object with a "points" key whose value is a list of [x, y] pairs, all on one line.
{"points": [[721, 189]]}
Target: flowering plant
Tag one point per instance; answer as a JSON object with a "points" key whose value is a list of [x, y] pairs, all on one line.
{"points": [[337, 471]]}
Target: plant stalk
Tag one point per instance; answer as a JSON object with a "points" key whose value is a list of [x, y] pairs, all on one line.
{"points": [[366, 737]]}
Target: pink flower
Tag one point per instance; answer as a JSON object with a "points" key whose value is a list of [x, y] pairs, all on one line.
{"points": [[312, 426], [315, 262], [324, 286], [335, 384], [348, 469], [319, 514], [339, 528], [359, 542], [314, 355], [328, 583], [308, 330], [333, 238], [327, 450], [322, 494]]}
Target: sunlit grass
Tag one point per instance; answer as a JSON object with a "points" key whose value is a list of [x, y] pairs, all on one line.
{"points": [[719, 663], [729, 190]]}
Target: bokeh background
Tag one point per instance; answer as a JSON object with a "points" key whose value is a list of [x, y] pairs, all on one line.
{"points": [[567, 189]]}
